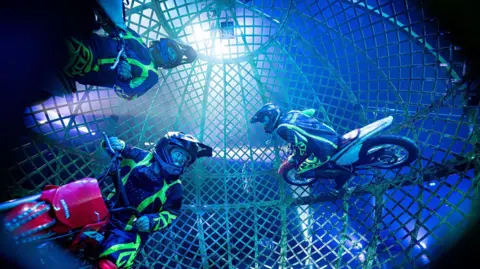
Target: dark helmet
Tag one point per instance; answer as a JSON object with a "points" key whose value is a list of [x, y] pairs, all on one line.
{"points": [[180, 140], [169, 54], [273, 113]]}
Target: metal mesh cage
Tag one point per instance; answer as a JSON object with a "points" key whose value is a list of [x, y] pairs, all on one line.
{"points": [[354, 61]]}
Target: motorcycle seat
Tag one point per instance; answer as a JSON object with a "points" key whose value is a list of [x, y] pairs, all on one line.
{"points": [[348, 138]]}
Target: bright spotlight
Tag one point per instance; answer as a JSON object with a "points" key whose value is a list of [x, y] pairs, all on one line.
{"points": [[200, 34], [220, 48]]}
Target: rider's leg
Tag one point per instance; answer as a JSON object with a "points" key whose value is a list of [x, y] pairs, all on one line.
{"points": [[319, 151], [318, 160], [340, 176], [119, 249]]}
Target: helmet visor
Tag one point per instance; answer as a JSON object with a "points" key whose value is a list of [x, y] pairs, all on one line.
{"points": [[180, 157], [258, 117]]}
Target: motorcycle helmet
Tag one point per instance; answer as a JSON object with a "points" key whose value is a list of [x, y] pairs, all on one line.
{"points": [[269, 115], [176, 151], [189, 53], [168, 54]]}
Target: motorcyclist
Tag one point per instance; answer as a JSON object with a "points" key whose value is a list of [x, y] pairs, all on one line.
{"points": [[152, 186], [314, 142], [90, 62], [120, 60]]}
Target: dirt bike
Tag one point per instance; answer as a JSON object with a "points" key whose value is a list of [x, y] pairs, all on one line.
{"points": [[74, 215], [358, 150]]}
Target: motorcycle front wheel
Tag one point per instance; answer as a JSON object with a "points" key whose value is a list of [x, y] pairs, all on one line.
{"points": [[388, 152]]}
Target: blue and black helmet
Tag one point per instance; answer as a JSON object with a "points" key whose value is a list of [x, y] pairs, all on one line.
{"points": [[269, 115], [168, 54], [187, 142]]}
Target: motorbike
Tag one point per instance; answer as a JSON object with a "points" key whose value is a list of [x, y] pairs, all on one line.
{"points": [[74, 215], [359, 149]]}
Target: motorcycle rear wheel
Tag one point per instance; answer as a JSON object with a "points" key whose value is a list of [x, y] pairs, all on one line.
{"points": [[388, 152]]}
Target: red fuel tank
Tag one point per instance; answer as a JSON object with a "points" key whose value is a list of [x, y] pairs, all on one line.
{"points": [[76, 204]]}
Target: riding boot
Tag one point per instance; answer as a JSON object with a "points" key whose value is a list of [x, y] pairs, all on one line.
{"points": [[340, 176]]}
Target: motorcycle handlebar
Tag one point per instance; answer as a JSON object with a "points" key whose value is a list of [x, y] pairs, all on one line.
{"points": [[109, 146], [117, 182], [114, 161]]}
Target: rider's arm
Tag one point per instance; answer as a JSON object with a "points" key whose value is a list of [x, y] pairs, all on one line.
{"points": [[133, 153], [140, 83], [292, 136], [137, 86], [170, 210], [130, 152]]}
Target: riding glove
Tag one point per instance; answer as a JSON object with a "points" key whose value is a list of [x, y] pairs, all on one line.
{"points": [[117, 144], [124, 70], [143, 224]]}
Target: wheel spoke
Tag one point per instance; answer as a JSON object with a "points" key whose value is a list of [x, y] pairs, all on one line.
{"points": [[392, 155]]}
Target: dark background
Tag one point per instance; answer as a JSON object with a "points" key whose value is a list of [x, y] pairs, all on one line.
{"points": [[461, 18], [31, 35]]}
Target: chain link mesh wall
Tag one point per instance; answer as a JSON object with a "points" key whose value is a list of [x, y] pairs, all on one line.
{"points": [[354, 61]]}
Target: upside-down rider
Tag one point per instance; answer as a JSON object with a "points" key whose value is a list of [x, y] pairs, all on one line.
{"points": [[314, 142], [152, 186], [120, 60], [90, 62]]}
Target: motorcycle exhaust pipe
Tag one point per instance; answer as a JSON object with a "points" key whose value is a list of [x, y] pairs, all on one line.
{"points": [[13, 203]]}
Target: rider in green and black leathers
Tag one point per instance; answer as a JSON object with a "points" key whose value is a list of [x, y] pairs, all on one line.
{"points": [[314, 142], [90, 61], [117, 58], [152, 186]]}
